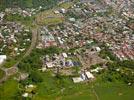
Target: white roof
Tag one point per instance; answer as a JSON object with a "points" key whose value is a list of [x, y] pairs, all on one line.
{"points": [[30, 85], [49, 65], [77, 79], [43, 69], [89, 75], [64, 55], [83, 76], [72, 19], [56, 12], [98, 48], [25, 95], [2, 58]]}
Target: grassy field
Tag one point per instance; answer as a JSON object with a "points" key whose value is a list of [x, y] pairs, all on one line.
{"points": [[48, 17], [115, 92], [1, 74], [8, 90], [66, 5], [19, 18], [52, 88], [9, 63], [63, 88]]}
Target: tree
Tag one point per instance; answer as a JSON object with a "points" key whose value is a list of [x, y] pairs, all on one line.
{"points": [[24, 66], [35, 76]]}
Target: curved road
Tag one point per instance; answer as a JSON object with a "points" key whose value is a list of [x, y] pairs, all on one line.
{"points": [[14, 69]]}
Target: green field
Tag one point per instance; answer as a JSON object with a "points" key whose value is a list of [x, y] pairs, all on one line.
{"points": [[63, 88], [27, 3], [115, 92], [9, 63], [8, 90], [66, 5], [19, 18], [85, 92], [48, 17]]}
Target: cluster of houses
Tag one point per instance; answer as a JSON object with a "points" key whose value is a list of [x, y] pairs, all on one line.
{"points": [[68, 35], [114, 31], [85, 23], [13, 38], [46, 39], [118, 3], [66, 61], [23, 12], [63, 60], [93, 25], [89, 21], [18, 11], [118, 38]]}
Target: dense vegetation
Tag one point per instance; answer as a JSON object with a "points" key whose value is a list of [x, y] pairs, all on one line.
{"points": [[27, 3], [9, 90], [105, 53], [119, 72], [18, 18], [1, 74], [34, 61]]}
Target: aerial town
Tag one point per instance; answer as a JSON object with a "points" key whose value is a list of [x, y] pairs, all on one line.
{"points": [[66, 49]]}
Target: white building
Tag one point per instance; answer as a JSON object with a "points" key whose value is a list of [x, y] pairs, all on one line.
{"points": [[49, 65], [64, 55], [2, 58], [89, 75], [77, 79], [25, 95], [98, 49]]}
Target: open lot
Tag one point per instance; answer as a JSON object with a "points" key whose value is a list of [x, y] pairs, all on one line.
{"points": [[66, 5], [64, 89], [115, 92], [48, 17]]}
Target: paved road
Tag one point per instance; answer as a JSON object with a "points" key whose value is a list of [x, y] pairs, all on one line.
{"points": [[14, 69]]}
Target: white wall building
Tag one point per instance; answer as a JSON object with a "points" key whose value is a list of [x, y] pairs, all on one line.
{"points": [[2, 58]]}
